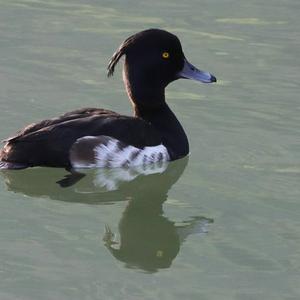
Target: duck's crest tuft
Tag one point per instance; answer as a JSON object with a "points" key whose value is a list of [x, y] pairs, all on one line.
{"points": [[117, 55], [125, 46]]}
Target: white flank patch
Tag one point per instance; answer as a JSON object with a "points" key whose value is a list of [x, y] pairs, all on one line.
{"points": [[110, 155], [114, 154]]}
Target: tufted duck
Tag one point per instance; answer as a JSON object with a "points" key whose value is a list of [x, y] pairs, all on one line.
{"points": [[92, 137]]}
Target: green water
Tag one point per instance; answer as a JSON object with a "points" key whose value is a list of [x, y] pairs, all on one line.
{"points": [[223, 224]]}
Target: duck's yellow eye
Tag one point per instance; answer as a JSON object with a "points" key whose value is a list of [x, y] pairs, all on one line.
{"points": [[166, 55]]}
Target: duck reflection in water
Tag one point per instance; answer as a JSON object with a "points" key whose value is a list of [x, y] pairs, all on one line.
{"points": [[148, 240]]}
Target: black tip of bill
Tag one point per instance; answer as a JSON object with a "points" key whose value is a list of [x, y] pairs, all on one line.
{"points": [[213, 78]]}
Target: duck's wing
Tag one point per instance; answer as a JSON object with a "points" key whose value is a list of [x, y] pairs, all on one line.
{"points": [[49, 142], [72, 115]]}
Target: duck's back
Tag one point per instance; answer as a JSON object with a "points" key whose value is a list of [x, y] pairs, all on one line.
{"points": [[48, 142]]}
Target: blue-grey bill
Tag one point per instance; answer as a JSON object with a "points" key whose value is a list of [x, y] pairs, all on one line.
{"points": [[191, 72]]}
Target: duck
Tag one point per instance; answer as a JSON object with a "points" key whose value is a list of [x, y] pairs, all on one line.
{"points": [[96, 137]]}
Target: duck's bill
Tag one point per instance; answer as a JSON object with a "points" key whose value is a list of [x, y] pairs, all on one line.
{"points": [[191, 72]]}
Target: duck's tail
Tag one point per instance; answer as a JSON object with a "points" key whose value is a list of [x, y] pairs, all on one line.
{"points": [[5, 165]]}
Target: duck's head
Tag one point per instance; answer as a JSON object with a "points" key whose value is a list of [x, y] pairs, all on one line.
{"points": [[153, 59]]}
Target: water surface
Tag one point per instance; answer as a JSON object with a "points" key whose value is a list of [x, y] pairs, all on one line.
{"points": [[223, 224]]}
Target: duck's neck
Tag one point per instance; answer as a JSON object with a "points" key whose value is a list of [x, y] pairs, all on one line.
{"points": [[147, 95], [166, 123]]}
